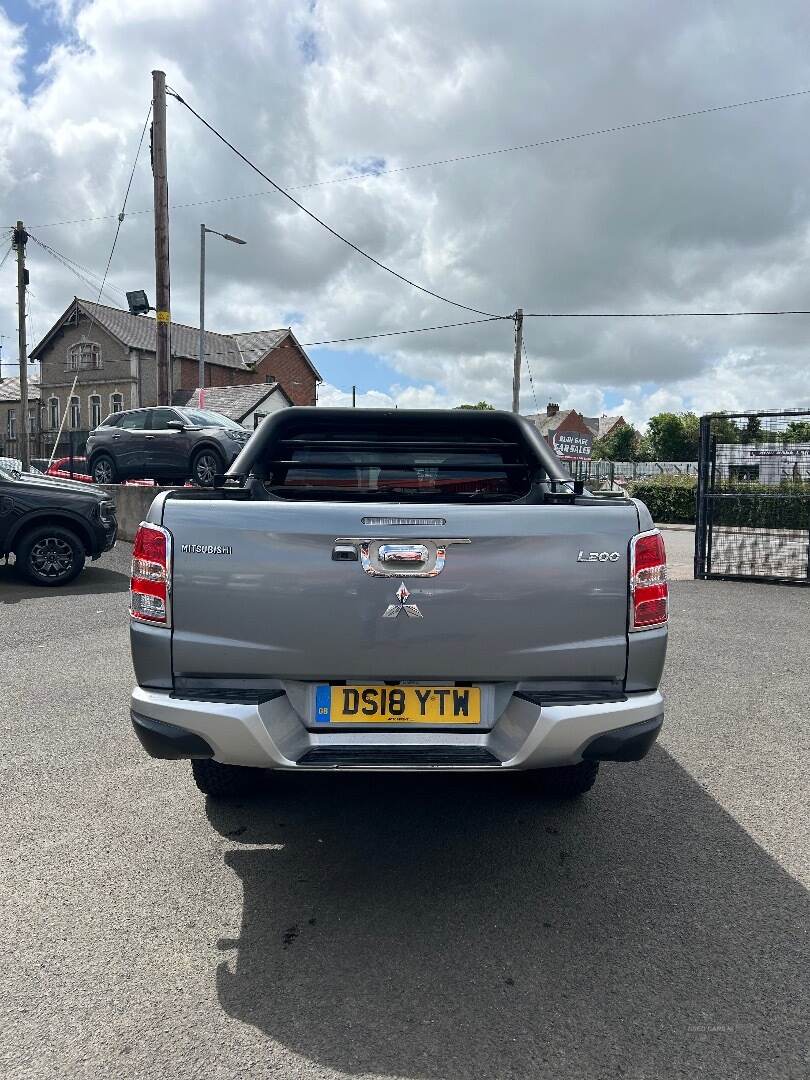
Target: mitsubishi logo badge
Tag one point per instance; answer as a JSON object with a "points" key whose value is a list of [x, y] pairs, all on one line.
{"points": [[411, 610]]}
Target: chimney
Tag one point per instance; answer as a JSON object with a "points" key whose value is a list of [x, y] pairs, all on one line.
{"points": [[552, 409]]}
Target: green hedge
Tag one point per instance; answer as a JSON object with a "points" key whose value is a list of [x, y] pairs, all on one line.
{"points": [[671, 499]]}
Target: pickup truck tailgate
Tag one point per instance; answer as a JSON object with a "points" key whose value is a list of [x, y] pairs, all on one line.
{"points": [[257, 593]]}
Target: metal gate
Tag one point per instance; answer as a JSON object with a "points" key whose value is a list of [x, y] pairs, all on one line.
{"points": [[753, 497]]}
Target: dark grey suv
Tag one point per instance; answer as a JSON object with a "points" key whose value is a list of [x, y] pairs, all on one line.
{"points": [[164, 444]]}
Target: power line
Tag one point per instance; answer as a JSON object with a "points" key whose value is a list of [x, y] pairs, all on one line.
{"points": [[73, 267], [554, 140], [654, 314], [531, 377], [320, 221], [397, 333], [124, 204]]}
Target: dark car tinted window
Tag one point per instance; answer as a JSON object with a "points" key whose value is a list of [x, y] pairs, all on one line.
{"points": [[161, 417], [134, 421], [112, 420], [205, 418]]}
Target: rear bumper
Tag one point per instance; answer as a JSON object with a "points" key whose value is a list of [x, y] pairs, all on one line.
{"points": [[270, 734]]}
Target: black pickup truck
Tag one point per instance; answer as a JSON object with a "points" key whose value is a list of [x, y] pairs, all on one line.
{"points": [[52, 526]]}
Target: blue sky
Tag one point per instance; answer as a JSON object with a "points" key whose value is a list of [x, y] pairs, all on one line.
{"points": [[42, 32], [354, 366]]}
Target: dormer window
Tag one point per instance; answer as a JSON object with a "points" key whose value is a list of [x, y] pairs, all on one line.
{"points": [[83, 355]]}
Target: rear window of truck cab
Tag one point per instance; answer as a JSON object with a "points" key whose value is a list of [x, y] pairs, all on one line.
{"points": [[398, 458]]}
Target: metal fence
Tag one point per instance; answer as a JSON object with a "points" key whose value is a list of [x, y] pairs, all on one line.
{"points": [[616, 474], [68, 451], [753, 497]]}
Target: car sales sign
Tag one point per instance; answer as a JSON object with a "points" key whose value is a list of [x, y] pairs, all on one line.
{"points": [[572, 445]]}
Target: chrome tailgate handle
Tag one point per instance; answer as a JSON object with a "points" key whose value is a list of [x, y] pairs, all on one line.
{"points": [[412, 555], [384, 557]]}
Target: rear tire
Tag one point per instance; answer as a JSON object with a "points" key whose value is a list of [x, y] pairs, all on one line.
{"points": [[224, 781], [205, 465], [50, 555], [568, 781], [103, 470]]}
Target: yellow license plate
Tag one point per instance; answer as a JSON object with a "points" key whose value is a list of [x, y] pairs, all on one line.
{"points": [[435, 705]]}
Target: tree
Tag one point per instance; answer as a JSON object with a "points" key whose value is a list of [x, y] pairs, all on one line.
{"points": [[480, 405], [622, 443], [672, 437], [797, 431], [753, 429], [725, 430]]}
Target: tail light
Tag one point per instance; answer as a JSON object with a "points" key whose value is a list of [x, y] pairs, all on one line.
{"points": [[649, 592], [150, 584]]}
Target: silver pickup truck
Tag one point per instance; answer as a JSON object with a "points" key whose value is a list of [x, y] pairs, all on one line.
{"points": [[397, 590]]}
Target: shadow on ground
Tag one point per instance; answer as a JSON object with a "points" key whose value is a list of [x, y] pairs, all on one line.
{"points": [[457, 926], [92, 580]]}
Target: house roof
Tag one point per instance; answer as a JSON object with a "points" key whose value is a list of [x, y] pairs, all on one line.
{"points": [[10, 389], [545, 424], [235, 402], [601, 425], [139, 332]]}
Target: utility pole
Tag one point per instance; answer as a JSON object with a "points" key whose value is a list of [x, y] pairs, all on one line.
{"points": [[19, 240], [161, 203], [201, 347], [354, 397], [518, 357]]}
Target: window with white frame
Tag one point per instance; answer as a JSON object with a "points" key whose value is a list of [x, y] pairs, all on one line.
{"points": [[53, 413], [116, 403], [11, 424], [84, 354], [75, 412], [32, 419], [95, 410]]}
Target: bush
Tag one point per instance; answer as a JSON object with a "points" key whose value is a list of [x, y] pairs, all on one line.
{"points": [[670, 499]]}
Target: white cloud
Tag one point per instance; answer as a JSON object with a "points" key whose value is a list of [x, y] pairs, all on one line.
{"points": [[709, 213]]}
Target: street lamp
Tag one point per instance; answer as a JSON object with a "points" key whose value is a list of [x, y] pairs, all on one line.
{"points": [[201, 357]]}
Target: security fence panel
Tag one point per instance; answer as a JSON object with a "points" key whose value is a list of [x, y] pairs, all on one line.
{"points": [[64, 456], [753, 497]]}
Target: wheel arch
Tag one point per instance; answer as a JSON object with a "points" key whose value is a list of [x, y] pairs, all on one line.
{"points": [[207, 444], [101, 452], [64, 518]]}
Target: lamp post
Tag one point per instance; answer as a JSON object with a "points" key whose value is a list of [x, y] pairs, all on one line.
{"points": [[201, 357]]}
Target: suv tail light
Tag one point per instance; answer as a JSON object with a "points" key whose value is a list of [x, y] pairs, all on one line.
{"points": [[150, 584], [649, 592]]}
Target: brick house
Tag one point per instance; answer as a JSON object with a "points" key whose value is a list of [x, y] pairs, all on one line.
{"points": [[565, 431], [111, 354], [11, 412]]}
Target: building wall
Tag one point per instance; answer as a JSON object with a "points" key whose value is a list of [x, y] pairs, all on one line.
{"points": [[284, 365], [270, 405], [117, 374], [9, 447], [574, 424]]}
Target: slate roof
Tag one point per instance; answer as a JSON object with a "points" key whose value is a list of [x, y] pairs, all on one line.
{"points": [[545, 424], [10, 389], [239, 351], [601, 425], [257, 343], [235, 402]]}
